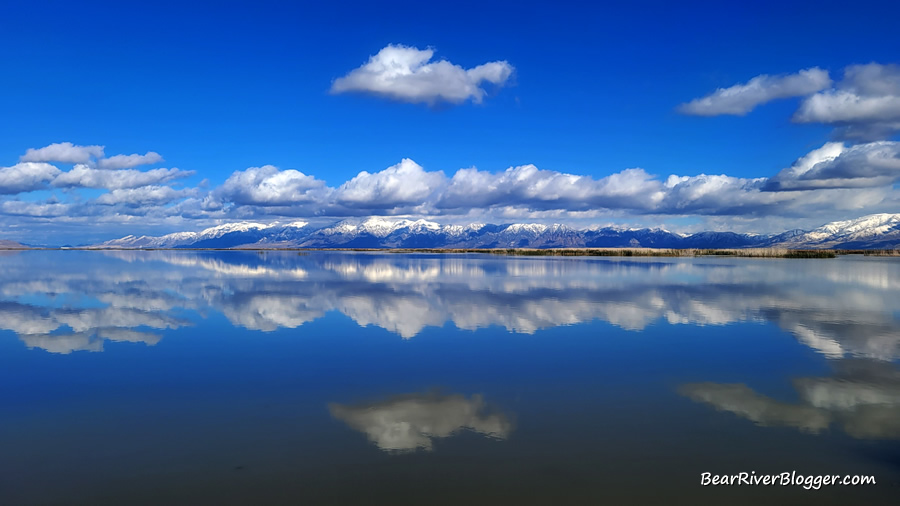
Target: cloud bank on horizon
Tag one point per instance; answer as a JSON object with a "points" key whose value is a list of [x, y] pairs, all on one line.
{"points": [[855, 179], [78, 186]]}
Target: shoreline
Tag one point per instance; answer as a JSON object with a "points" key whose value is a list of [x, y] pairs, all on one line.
{"points": [[568, 252]]}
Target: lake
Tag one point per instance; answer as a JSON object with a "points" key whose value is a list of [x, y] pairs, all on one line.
{"points": [[232, 377]]}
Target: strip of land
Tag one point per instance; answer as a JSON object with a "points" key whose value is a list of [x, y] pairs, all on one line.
{"points": [[641, 252], [564, 252]]}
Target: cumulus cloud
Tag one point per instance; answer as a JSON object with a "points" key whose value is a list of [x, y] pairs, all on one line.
{"points": [[546, 189], [64, 152], [528, 189], [154, 195], [743, 98], [407, 74], [833, 178], [719, 194], [835, 165], [406, 183], [269, 186], [48, 209], [88, 177], [129, 161], [406, 423], [864, 105], [26, 177], [859, 178]]}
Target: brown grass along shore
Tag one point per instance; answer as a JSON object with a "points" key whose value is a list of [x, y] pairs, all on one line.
{"points": [[565, 252]]}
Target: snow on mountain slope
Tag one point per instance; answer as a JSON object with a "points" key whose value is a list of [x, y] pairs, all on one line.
{"points": [[867, 226], [874, 231]]}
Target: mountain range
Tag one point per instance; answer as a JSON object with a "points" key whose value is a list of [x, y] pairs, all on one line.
{"points": [[4, 244], [877, 231]]}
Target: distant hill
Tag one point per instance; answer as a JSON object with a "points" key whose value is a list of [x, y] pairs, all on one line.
{"points": [[877, 231], [11, 245]]}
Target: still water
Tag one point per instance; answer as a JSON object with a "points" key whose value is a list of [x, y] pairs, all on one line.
{"points": [[179, 377]]}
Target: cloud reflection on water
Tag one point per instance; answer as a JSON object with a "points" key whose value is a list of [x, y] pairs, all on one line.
{"points": [[405, 423], [69, 301], [863, 397]]}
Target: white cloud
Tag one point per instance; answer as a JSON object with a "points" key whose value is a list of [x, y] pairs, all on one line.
{"points": [[143, 196], [859, 178], [848, 107], [865, 104], [405, 74], [717, 194], [835, 165], [35, 209], [743, 98], [269, 186], [26, 177], [820, 186], [85, 176], [406, 183], [129, 161], [529, 186], [64, 152]]}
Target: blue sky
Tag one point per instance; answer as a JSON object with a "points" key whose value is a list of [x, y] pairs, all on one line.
{"points": [[576, 90]]}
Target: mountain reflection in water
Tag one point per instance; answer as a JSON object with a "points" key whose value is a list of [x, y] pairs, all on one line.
{"points": [[841, 308], [239, 377]]}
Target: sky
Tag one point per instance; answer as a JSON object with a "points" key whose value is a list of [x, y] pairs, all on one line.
{"points": [[122, 118]]}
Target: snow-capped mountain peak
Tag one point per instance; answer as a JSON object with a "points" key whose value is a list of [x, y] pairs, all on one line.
{"points": [[873, 224], [529, 228], [381, 227], [874, 231], [424, 225], [228, 228]]}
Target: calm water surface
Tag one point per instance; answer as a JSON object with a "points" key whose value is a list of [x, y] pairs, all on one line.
{"points": [[177, 377]]}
